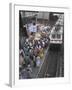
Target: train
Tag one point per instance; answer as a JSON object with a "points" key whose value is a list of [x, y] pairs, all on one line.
{"points": [[57, 32]]}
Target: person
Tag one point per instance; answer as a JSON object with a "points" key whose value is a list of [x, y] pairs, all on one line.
{"points": [[33, 28], [21, 57], [24, 31]]}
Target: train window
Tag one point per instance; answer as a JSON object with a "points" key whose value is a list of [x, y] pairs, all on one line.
{"points": [[58, 36], [53, 35]]}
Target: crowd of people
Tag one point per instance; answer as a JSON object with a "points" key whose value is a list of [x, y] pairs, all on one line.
{"points": [[32, 45]]}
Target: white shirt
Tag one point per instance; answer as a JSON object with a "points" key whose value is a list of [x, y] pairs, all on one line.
{"points": [[33, 28]]}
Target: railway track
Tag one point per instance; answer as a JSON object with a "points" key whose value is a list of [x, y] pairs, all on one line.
{"points": [[55, 67]]}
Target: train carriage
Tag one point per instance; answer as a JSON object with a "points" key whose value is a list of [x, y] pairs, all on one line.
{"points": [[56, 34]]}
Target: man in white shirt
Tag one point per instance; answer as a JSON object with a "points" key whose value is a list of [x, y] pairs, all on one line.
{"points": [[33, 28]]}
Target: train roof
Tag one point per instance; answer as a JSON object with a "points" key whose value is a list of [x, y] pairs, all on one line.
{"points": [[54, 30], [58, 27]]}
